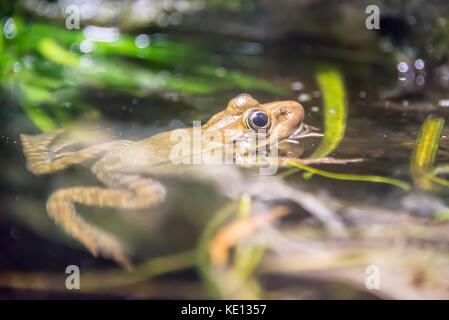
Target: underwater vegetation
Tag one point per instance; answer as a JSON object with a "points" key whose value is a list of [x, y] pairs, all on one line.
{"points": [[395, 216], [47, 68]]}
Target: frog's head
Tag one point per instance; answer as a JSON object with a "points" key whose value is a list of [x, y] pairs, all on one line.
{"points": [[279, 120]]}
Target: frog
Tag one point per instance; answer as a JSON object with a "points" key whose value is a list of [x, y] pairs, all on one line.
{"points": [[129, 169]]}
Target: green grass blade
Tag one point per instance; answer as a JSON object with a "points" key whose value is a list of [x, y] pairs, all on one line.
{"points": [[29, 100], [427, 143], [424, 153], [353, 177], [331, 83], [54, 52]]}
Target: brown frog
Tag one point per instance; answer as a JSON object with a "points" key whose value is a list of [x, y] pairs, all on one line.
{"points": [[129, 169]]}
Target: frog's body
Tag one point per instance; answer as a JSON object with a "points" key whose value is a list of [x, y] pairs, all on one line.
{"points": [[128, 169]]}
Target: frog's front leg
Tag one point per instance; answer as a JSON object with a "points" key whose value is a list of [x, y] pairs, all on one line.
{"points": [[41, 159], [137, 193]]}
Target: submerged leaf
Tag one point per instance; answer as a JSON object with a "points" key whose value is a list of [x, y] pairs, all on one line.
{"points": [[247, 256], [203, 257]]}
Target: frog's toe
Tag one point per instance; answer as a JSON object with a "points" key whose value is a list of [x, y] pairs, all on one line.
{"points": [[35, 152], [124, 261], [110, 247], [42, 141]]}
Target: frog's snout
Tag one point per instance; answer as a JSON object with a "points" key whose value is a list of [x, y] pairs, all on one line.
{"points": [[290, 114], [287, 117]]}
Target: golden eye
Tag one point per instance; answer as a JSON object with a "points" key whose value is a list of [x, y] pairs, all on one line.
{"points": [[257, 119]]}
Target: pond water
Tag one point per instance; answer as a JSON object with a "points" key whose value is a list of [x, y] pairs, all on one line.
{"points": [[387, 101]]}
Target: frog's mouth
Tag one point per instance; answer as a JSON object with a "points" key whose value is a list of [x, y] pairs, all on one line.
{"points": [[303, 131]]}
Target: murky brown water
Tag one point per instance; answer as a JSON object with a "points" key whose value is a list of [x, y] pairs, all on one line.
{"points": [[385, 113]]}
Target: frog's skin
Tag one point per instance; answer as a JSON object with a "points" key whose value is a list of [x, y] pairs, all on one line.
{"points": [[129, 169]]}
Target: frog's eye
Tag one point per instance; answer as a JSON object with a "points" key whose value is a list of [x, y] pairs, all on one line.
{"points": [[257, 120]]}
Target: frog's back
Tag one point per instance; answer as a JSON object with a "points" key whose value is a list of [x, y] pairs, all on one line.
{"points": [[140, 156]]}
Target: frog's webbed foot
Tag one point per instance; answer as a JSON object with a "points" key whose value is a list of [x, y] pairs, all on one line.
{"points": [[45, 156], [139, 193], [36, 148]]}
